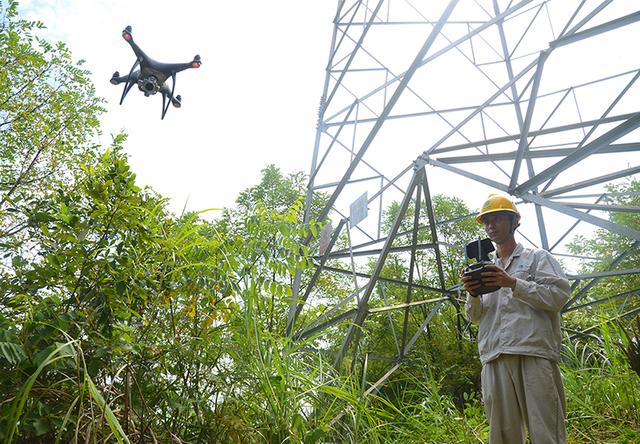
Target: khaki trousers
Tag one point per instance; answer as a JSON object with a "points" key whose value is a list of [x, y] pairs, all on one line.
{"points": [[524, 392]]}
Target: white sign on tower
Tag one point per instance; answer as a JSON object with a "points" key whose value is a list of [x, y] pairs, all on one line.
{"points": [[358, 210]]}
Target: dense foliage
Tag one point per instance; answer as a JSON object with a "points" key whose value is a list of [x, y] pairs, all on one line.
{"points": [[122, 322]]}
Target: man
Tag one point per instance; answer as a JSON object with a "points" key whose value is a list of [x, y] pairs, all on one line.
{"points": [[519, 336]]}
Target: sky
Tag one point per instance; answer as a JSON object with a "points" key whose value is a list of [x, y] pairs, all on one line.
{"points": [[253, 102], [255, 99]]}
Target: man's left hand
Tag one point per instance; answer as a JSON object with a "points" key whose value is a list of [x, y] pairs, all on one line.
{"points": [[496, 276]]}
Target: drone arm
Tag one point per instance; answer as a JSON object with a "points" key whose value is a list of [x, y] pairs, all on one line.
{"points": [[140, 55], [177, 67]]}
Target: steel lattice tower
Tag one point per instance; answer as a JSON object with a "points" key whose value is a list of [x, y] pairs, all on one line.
{"points": [[537, 99]]}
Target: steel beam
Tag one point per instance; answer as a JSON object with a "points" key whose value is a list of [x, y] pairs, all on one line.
{"points": [[575, 224], [387, 280], [308, 332], [379, 250], [467, 119], [581, 154], [296, 306], [537, 154], [602, 223], [523, 146], [595, 280], [626, 294], [406, 305], [362, 310], [412, 263], [481, 179], [376, 385], [511, 137], [334, 138], [456, 43], [594, 181], [389, 106], [596, 30], [597, 10], [327, 314], [603, 207], [603, 274], [609, 321], [345, 69]]}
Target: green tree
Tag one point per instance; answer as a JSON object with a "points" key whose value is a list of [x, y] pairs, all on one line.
{"points": [[48, 114], [612, 299], [174, 321], [608, 247]]}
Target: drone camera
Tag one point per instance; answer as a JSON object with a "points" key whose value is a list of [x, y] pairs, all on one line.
{"points": [[149, 85], [479, 250]]}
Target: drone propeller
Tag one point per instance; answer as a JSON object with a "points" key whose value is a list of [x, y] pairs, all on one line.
{"points": [[126, 34]]}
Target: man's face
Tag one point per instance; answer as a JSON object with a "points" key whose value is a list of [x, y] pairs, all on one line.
{"points": [[498, 226]]}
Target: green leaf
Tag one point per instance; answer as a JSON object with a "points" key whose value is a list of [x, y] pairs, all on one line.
{"points": [[41, 426], [315, 435], [12, 352], [113, 422]]}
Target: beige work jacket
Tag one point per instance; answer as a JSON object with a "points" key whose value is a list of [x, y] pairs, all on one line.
{"points": [[525, 320]]}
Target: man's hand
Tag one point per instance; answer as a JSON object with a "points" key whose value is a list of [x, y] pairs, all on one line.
{"points": [[470, 284], [496, 276]]}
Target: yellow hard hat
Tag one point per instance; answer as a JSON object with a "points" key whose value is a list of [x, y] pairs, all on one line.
{"points": [[495, 203]]}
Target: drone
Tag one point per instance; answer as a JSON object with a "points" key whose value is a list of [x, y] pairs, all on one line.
{"points": [[152, 76]]}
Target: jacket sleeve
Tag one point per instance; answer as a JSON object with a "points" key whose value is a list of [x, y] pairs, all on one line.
{"points": [[473, 308], [548, 288]]}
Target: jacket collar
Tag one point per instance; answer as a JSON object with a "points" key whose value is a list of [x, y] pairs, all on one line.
{"points": [[516, 252]]}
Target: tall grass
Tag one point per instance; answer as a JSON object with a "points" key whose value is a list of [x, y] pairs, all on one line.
{"points": [[71, 353], [284, 394], [603, 393], [421, 413], [61, 351]]}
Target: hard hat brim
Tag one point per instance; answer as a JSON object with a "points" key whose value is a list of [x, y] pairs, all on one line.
{"points": [[496, 210]]}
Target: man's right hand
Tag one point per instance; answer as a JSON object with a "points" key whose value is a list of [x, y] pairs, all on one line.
{"points": [[470, 285]]}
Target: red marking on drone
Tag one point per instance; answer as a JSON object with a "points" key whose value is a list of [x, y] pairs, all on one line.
{"points": [[195, 64], [126, 36]]}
